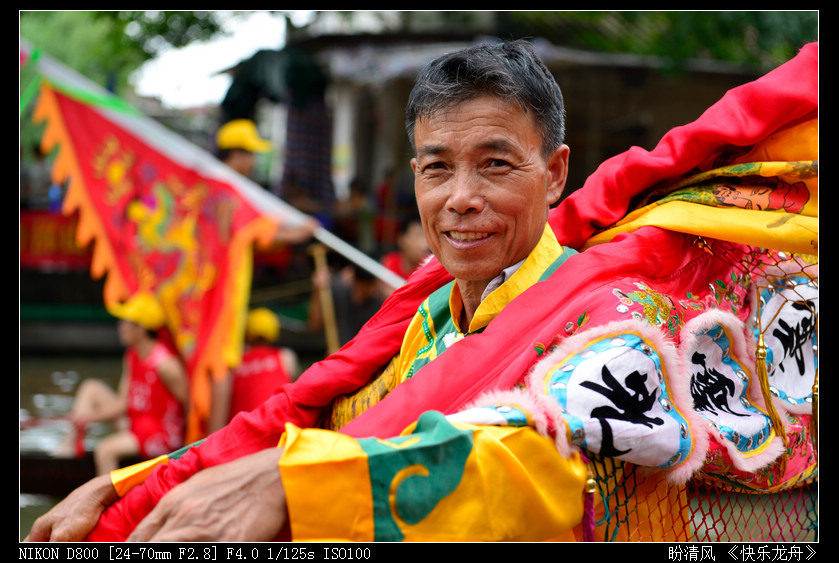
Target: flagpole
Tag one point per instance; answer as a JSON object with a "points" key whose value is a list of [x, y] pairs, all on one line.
{"points": [[192, 156]]}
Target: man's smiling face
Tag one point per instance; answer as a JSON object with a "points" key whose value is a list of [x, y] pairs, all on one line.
{"points": [[483, 186]]}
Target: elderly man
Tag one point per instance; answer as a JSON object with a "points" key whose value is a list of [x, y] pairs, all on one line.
{"points": [[534, 351]]}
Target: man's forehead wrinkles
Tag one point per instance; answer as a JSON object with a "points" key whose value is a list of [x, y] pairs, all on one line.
{"points": [[496, 143], [432, 148], [484, 143]]}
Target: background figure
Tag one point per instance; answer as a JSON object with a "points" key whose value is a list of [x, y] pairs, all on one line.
{"points": [[238, 142], [264, 369], [412, 250], [148, 408], [354, 218], [355, 296]]}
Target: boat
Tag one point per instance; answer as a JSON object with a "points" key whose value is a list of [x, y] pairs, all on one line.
{"points": [[42, 473]]}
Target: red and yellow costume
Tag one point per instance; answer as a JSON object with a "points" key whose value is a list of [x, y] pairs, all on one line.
{"points": [[638, 349]]}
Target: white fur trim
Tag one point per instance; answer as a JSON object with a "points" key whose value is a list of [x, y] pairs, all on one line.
{"points": [[544, 414]]}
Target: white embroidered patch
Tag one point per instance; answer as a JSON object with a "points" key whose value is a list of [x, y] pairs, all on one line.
{"points": [[720, 386], [618, 403], [789, 311]]}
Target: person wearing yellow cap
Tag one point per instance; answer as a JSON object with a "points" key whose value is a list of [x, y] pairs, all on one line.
{"points": [[264, 368], [237, 144], [148, 408]]}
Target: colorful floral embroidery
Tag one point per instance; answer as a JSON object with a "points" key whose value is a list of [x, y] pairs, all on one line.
{"points": [[666, 311], [658, 309]]}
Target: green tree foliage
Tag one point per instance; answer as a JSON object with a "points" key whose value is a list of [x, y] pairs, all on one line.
{"points": [[107, 46], [753, 38], [760, 38]]}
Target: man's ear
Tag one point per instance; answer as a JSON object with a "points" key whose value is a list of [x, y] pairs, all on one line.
{"points": [[558, 173]]}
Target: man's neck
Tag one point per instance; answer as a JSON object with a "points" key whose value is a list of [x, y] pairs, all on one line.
{"points": [[471, 295]]}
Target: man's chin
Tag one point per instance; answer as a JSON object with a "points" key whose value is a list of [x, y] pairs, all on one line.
{"points": [[476, 273]]}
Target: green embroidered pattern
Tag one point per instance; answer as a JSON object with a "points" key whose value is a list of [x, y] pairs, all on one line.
{"points": [[417, 470]]}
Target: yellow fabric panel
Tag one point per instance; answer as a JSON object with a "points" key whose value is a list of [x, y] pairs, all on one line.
{"points": [[793, 233], [327, 486], [502, 498], [346, 407], [327, 479], [790, 155], [796, 142]]}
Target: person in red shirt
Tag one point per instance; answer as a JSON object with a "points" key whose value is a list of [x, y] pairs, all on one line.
{"points": [[148, 408], [264, 369]]}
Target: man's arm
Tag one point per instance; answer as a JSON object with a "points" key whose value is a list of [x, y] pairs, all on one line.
{"points": [[297, 233], [75, 516], [242, 500], [449, 481]]}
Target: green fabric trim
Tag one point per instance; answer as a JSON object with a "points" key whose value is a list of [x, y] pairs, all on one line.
{"points": [[177, 454], [31, 91], [105, 100], [566, 253], [438, 454]]}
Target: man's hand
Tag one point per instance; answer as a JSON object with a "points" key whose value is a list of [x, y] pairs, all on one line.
{"points": [[239, 501], [75, 516]]}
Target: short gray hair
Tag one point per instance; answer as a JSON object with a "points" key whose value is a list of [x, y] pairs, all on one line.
{"points": [[510, 70]]}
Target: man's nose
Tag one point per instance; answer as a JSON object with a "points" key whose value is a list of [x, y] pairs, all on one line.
{"points": [[465, 194]]}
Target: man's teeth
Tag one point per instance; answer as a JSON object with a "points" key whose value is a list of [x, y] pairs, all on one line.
{"points": [[467, 237]]}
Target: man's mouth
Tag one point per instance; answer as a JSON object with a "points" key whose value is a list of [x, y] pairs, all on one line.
{"points": [[461, 236]]}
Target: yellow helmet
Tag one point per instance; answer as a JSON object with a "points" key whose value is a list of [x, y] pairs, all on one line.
{"points": [[241, 134], [142, 308], [262, 323]]}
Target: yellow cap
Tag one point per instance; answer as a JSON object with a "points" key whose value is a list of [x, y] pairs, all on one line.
{"points": [[262, 323], [143, 309], [241, 134]]}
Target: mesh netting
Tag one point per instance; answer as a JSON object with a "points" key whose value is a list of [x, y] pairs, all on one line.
{"points": [[637, 506], [774, 505]]}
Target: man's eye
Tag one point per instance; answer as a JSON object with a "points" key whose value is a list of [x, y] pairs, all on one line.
{"points": [[434, 166]]}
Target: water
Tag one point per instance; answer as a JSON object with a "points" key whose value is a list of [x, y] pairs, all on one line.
{"points": [[47, 384]]}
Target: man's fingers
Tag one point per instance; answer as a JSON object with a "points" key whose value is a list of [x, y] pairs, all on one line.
{"points": [[38, 533], [149, 526], [166, 519]]}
